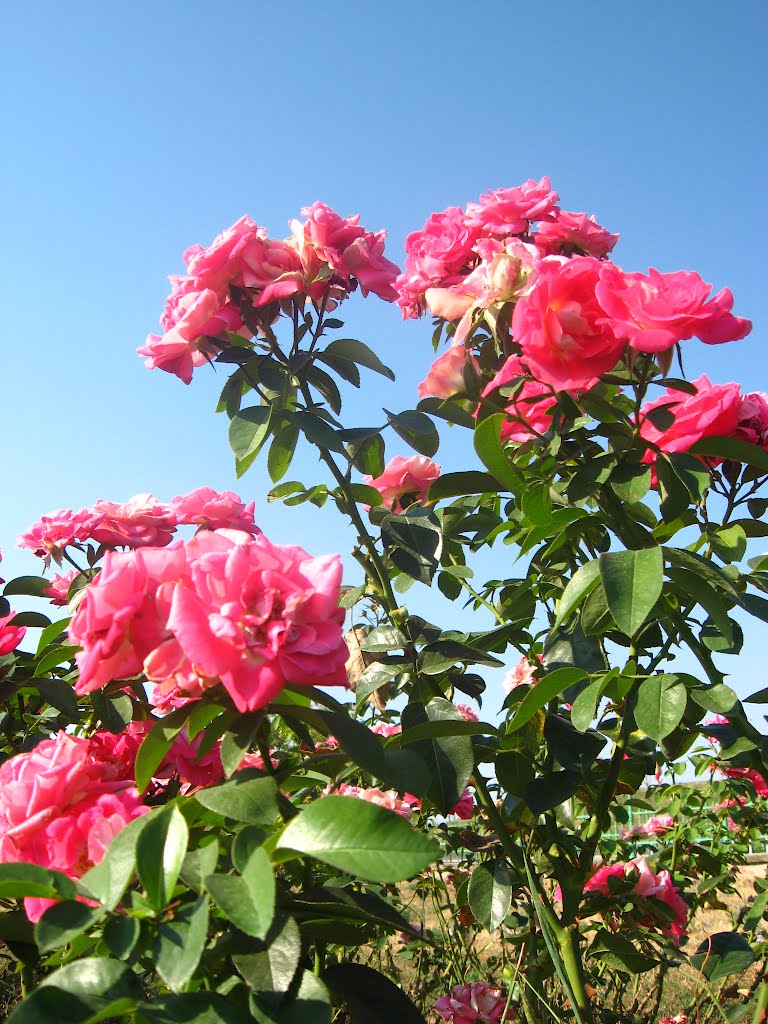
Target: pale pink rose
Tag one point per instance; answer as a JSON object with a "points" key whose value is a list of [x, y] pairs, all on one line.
{"points": [[478, 1003], [388, 798], [60, 805], [712, 412], [142, 521], [508, 211], [654, 312], [566, 339], [648, 885], [523, 673], [467, 713], [530, 410], [54, 532], [574, 234], [385, 730], [10, 635], [465, 808], [58, 590], [205, 508], [446, 375], [410, 476], [255, 616]]}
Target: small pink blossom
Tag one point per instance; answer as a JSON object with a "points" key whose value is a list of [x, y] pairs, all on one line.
{"points": [[58, 590], [679, 1018], [654, 312], [56, 531], [478, 1003], [446, 375], [142, 521], [508, 211], [751, 775], [388, 798], [523, 673], [467, 713], [574, 234], [411, 476], [10, 635], [205, 508], [465, 807], [386, 730], [655, 825]]}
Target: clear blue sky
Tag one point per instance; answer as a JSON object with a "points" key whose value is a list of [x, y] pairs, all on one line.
{"points": [[133, 130]]}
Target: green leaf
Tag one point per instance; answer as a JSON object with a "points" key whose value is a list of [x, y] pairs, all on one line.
{"points": [[490, 893], [237, 742], [253, 801], [77, 992], [318, 432], [359, 837], [581, 583], [371, 678], [542, 692], [441, 655], [584, 707], [734, 449], [454, 485], [248, 430], [121, 935], [18, 881], [729, 542], [28, 586], [363, 746], [489, 448], [370, 997], [312, 1004], [248, 900], [160, 851], [180, 943], [269, 967], [53, 633], [344, 368], [573, 750], [620, 953], [383, 638], [550, 790], [192, 1008], [661, 701], [631, 483], [281, 451], [449, 759], [632, 581], [414, 543], [200, 863], [354, 351], [416, 429], [718, 698], [114, 712], [63, 922], [722, 954], [157, 743], [35, 620]]}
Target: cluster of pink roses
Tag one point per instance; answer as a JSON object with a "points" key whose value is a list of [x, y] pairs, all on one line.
{"points": [[476, 1003], [324, 258], [63, 802], [224, 607], [142, 521], [648, 885]]}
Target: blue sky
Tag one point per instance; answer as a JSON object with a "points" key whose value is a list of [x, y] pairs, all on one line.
{"points": [[134, 130]]}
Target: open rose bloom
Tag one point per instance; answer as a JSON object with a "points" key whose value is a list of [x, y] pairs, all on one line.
{"points": [[645, 883], [478, 1003]]}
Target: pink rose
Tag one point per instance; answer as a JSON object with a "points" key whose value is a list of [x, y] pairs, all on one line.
{"points": [[58, 591], [272, 269], [465, 808], [205, 508], [523, 673], [747, 775], [574, 234], [648, 885], [188, 343], [217, 266], [364, 259], [56, 531], [565, 336], [753, 419], [507, 211], [435, 255], [327, 232], [410, 476], [142, 521], [530, 410], [184, 763], [478, 1003], [712, 412], [385, 730], [654, 312], [10, 635], [653, 827], [446, 376], [467, 713], [387, 798]]}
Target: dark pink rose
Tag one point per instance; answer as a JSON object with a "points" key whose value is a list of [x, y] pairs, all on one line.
{"points": [[204, 507], [142, 521], [748, 775], [478, 1003], [404, 476], [648, 885], [56, 531], [654, 312], [753, 419], [364, 259], [386, 730], [574, 234], [712, 412], [563, 331], [58, 591], [508, 211], [218, 265], [465, 808], [10, 635]]}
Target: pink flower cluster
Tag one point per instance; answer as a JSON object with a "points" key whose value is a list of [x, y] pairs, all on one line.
{"points": [[655, 826], [228, 283], [388, 798], [404, 476], [522, 673], [63, 802], [477, 1003], [648, 885], [142, 521], [715, 410], [225, 607]]}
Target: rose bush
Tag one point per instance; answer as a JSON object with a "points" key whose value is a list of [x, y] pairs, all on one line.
{"points": [[194, 828]]}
